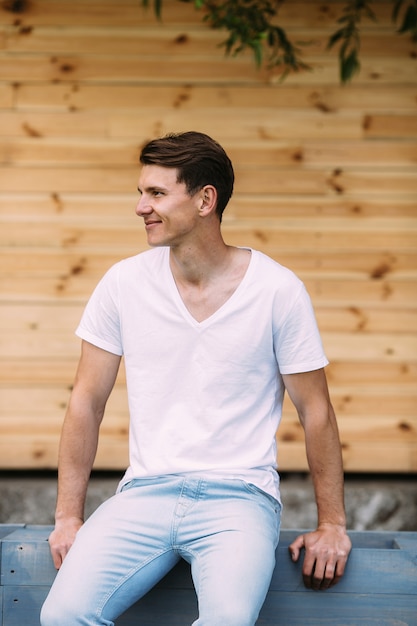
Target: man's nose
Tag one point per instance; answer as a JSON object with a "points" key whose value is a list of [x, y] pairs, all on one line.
{"points": [[143, 207]]}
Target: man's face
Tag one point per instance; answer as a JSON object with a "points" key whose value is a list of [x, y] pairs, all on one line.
{"points": [[170, 214]]}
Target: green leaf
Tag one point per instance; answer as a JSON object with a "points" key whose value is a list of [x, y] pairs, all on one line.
{"points": [[409, 21], [258, 53], [348, 67], [337, 36], [158, 8]]}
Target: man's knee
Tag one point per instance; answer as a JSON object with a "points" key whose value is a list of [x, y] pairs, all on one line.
{"points": [[49, 615], [229, 614], [64, 614]]}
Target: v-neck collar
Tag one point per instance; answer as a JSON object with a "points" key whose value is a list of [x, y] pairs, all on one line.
{"points": [[220, 311]]}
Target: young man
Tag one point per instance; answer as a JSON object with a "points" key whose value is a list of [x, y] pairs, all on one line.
{"points": [[211, 336]]}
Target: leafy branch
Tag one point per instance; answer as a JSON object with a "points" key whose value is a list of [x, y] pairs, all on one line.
{"points": [[408, 8], [349, 37], [251, 25]]}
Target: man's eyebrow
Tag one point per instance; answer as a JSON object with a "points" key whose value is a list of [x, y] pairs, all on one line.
{"points": [[152, 189]]}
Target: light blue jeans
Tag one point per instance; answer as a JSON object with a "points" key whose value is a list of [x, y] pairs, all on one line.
{"points": [[228, 530]]}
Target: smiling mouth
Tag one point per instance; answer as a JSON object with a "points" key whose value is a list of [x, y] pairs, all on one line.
{"points": [[152, 223]]}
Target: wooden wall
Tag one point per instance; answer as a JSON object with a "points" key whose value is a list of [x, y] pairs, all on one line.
{"points": [[326, 184]]}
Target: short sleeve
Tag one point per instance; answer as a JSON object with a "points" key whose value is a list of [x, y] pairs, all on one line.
{"points": [[100, 322], [297, 342]]}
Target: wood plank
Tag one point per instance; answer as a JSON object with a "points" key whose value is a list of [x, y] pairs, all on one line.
{"points": [[113, 180], [280, 240], [24, 261], [91, 13], [83, 124], [129, 68], [266, 180], [337, 181], [384, 347], [358, 429], [316, 610], [94, 152], [394, 429], [6, 96], [241, 124], [86, 206], [43, 370], [106, 13], [41, 151], [231, 125], [34, 343], [40, 370], [295, 234], [390, 414], [20, 321], [396, 154], [358, 373], [363, 457], [398, 125], [139, 40], [41, 452], [26, 561], [355, 206], [327, 100], [217, 68], [330, 292], [175, 39], [362, 293], [200, 70], [74, 206], [367, 320], [392, 347]]}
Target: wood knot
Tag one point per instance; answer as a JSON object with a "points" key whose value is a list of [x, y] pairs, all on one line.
{"points": [[405, 427], [367, 122], [259, 234], [25, 30], [181, 39], [380, 271], [181, 99], [323, 107], [334, 183], [15, 6], [66, 68], [29, 130]]}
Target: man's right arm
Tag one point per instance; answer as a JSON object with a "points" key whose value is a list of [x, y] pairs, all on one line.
{"points": [[95, 378]]}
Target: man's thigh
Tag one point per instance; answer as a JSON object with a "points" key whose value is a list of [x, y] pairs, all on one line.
{"points": [[234, 557], [120, 553]]}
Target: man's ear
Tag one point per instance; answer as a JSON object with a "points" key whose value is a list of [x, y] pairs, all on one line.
{"points": [[207, 200]]}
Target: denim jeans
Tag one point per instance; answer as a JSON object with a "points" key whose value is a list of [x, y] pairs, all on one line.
{"points": [[227, 530]]}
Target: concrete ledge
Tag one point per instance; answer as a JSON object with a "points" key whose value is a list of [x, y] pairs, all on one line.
{"points": [[378, 589], [372, 502]]}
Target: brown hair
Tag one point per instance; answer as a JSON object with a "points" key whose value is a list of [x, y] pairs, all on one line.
{"points": [[199, 159]]}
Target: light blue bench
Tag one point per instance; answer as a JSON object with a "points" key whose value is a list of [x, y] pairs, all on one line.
{"points": [[379, 587]]}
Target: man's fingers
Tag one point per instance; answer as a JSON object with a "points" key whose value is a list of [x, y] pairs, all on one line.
{"points": [[320, 575], [295, 547]]}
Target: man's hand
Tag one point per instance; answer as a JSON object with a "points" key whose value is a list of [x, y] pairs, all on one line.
{"points": [[326, 553], [62, 538]]}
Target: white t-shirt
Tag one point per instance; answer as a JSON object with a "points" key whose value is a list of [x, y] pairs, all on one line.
{"points": [[204, 397]]}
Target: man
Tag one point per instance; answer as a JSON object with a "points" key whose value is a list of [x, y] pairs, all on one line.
{"points": [[211, 336]]}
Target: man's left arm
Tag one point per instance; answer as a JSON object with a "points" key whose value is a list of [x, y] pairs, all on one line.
{"points": [[327, 548]]}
